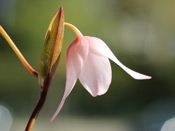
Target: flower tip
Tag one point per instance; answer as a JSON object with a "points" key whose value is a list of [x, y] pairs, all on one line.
{"points": [[136, 75], [99, 94], [53, 118], [148, 77], [51, 121], [143, 77]]}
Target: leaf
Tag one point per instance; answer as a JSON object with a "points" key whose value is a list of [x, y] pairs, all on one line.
{"points": [[51, 51]]}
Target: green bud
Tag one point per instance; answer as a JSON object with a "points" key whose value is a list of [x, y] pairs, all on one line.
{"points": [[51, 51]]}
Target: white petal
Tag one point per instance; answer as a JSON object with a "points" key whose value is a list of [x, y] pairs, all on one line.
{"points": [[71, 74], [76, 55], [79, 51], [58, 110], [96, 74], [99, 47], [71, 78]]}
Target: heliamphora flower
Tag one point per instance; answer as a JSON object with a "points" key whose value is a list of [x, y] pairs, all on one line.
{"points": [[88, 60]]}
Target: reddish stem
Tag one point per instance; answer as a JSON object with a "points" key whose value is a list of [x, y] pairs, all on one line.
{"points": [[36, 111], [40, 104]]}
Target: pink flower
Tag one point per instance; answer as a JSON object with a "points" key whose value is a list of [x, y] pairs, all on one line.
{"points": [[88, 60]]}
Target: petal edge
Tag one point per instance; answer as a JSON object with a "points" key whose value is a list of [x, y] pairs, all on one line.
{"points": [[99, 47]]}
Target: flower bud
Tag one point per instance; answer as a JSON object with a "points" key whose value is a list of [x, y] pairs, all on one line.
{"points": [[51, 51]]}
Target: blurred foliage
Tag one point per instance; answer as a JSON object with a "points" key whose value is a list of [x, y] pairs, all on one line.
{"points": [[140, 33]]}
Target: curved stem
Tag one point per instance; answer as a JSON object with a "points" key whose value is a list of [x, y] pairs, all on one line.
{"points": [[40, 104], [18, 53], [36, 111], [75, 29]]}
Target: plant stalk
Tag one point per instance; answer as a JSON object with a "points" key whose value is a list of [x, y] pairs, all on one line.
{"points": [[43, 95], [36, 111]]}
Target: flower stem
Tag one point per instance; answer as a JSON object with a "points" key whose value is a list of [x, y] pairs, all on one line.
{"points": [[18, 53], [36, 111], [40, 104], [30, 125], [75, 29]]}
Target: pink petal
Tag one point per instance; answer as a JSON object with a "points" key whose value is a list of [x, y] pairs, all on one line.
{"points": [[79, 51], [99, 47], [76, 55], [58, 110], [96, 74]]}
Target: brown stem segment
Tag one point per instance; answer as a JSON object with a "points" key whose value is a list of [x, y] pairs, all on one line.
{"points": [[36, 110], [30, 125], [40, 104]]}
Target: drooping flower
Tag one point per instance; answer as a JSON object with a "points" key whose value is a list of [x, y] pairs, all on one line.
{"points": [[88, 60]]}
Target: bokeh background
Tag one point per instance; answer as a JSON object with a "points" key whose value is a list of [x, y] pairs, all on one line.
{"points": [[141, 33]]}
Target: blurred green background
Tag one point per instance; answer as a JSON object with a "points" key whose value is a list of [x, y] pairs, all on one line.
{"points": [[141, 33]]}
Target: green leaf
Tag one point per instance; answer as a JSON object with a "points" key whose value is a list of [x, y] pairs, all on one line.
{"points": [[51, 51]]}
